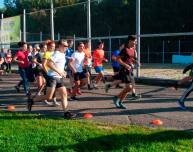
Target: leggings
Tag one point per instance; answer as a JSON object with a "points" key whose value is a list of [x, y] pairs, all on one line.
{"points": [[187, 93]]}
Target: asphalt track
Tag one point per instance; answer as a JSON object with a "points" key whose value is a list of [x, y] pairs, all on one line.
{"points": [[157, 102]]}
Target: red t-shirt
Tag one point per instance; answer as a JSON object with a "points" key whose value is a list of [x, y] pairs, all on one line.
{"points": [[8, 58], [88, 57], [23, 56], [98, 56], [128, 55]]}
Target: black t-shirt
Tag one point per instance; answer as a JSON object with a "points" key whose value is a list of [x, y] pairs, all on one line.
{"points": [[38, 57], [127, 55]]}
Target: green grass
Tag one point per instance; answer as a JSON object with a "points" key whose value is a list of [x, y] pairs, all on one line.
{"points": [[26, 132]]}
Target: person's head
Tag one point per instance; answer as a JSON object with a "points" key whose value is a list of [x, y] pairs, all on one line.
{"points": [[30, 48], [87, 44], [62, 45], [51, 45], [43, 47], [70, 43], [36, 48], [9, 51], [23, 46], [100, 44], [80, 46], [131, 40]]}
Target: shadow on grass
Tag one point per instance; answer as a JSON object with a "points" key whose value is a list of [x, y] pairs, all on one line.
{"points": [[123, 142]]}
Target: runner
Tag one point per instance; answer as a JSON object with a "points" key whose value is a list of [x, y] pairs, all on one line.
{"points": [[88, 63], [184, 80], [116, 69], [23, 63], [56, 77], [47, 55], [99, 58], [76, 65], [8, 60], [126, 59], [38, 71], [69, 53]]}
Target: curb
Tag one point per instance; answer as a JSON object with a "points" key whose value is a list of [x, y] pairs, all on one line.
{"points": [[155, 81]]}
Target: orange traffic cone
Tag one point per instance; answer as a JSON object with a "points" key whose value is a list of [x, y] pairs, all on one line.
{"points": [[88, 115], [10, 108], [157, 122]]}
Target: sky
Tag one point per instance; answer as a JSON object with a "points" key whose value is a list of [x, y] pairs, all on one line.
{"points": [[1, 3]]}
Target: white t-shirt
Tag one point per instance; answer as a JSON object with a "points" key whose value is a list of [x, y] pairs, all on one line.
{"points": [[78, 58], [59, 60]]}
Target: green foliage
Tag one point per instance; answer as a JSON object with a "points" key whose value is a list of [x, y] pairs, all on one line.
{"points": [[115, 17]]}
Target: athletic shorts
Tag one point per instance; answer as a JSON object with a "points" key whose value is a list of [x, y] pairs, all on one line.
{"points": [[116, 69], [87, 69], [38, 71], [99, 69], [55, 82], [125, 76], [79, 76], [45, 75]]}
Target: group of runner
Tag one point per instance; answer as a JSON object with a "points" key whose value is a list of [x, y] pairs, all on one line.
{"points": [[50, 63]]}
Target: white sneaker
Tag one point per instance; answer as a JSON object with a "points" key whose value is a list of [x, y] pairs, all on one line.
{"points": [[55, 102], [48, 103]]}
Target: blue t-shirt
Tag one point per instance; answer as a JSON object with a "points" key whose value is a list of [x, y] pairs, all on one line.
{"points": [[115, 63], [69, 53]]}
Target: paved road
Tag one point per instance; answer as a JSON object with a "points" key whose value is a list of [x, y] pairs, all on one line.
{"points": [[156, 103]]}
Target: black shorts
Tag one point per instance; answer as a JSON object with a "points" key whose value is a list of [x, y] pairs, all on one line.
{"points": [[38, 71], [45, 75], [79, 76], [55, 82], [87, 69], [116, 69], [125, 76]]}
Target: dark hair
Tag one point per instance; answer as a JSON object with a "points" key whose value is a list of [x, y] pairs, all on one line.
{"points": [[131, 38], [62, 42], [86, 42], [99, 42], [79, 43], [21, 43], [42, 45]]}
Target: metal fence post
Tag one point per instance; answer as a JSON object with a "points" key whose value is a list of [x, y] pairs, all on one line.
{"points": [[58, 36], [147, 54], [163, 48], [110, 48], [41, 37], [24, 25], [52, 20], [1, 30], [89, 24], [179, 47], [74, 40], [138, 34]]}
